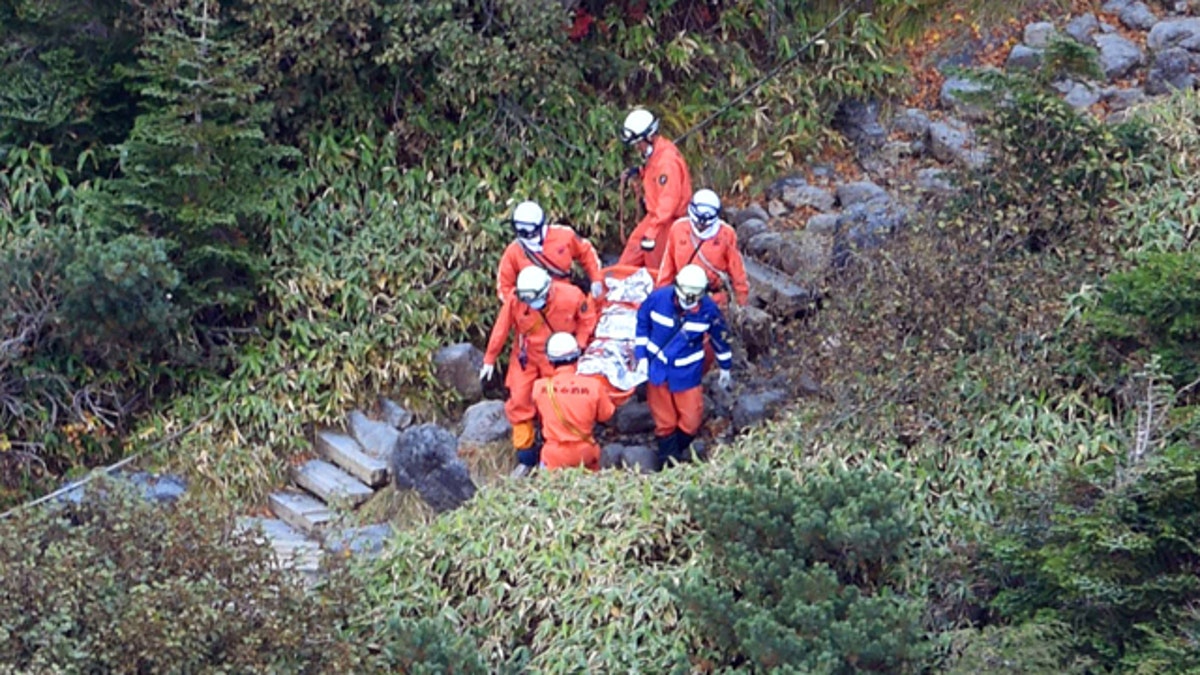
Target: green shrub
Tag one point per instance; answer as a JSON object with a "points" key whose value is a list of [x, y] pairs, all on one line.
{"points": [[116, 584], [1033, 647], [801, 574]]}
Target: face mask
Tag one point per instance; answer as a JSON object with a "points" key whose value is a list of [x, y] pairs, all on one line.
{"points": [[649, 151], [537, 303], [687, 300]]}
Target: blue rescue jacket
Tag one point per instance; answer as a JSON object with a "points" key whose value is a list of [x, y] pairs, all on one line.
{"points": [[673, 339]]}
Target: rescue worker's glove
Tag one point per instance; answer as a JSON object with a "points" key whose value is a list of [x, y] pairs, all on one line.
{"points": [[631, 173], [725, 379], [597, 289], [486, 371], [528, 457], [643, 368]]}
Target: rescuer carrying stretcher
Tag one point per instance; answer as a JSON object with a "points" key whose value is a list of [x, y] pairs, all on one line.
{"points": [[666, 187], [569, 406], [550, 247]]}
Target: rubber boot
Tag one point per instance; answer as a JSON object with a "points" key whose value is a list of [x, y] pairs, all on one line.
{"points": [[666, 450], [683, 444]]}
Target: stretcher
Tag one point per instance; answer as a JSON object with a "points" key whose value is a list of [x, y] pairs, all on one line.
{"points": [[610, 354]]}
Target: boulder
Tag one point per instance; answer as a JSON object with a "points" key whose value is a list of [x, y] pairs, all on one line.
{"points": [[754, 211], [1038, 34], [764, 245], [953, 95], [858, 121], [807, 195], [1137, 15], [1082, 28], [775, 190], [376, 438], [750, 409], [893, 152], [484, 422], [425, 459], [774, 291], [748, 229], [1023, 57], [1171, 70], [822, 223], [865, 226], [457, 366], [395, 414], [753, 328], [860, 192], [912, 121], [638, 458], [1118, 55], [948, 141], [1183, 33], [1120, 98], [1082, 96], [777, 208], [633, 418], [803, 255]]}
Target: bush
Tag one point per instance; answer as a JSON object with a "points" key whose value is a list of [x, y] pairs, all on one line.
{"points": [[802, 576], [115, 584]]}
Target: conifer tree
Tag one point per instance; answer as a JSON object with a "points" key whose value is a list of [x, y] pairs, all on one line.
{"points": [[197, 168]]}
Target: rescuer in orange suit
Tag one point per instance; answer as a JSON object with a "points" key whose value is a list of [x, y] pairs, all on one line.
{"points": [[569, 406], [666, 189], [537, 308], [550, 247], [703, 239]]}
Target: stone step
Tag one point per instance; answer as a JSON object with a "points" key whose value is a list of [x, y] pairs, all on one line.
{"points": [[345, 452], [334, 486], [775, 290], [292, 549], [300, 510]]}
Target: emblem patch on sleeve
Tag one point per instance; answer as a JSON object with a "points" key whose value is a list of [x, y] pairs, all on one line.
{"points": [[662, 180]]}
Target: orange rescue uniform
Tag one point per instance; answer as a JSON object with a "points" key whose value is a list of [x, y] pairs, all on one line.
{"points": [[561, 247], [717, 253], [568, 310], [682, 410], [569, 406], [667, 189]]}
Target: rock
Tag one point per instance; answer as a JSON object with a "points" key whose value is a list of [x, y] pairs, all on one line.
{"points": [[634, 418], [376, 438], [395, 414], [798, 254], [955, 91], [640, 458], [1106, 28], [912, 121], [858, 121], [934, 180], [612, 455], [753, 328], [1171, 70], [1082, 28], [893, 152], [765, 245], [164, 489], [777, 208], [1023, 58], [426, 459], [1038, 34], [775, 191], [1118, 55], [1184, 33], [822, 223], [807, 195], [1082, 96], [364, 541], [1138, 16], [1120, 98], [753, 408], [748, 229], [457, 366], [484, 422], [1115, 6], [949, 141], [774, 291], [754, 211], [865, 226], [861, 192]]}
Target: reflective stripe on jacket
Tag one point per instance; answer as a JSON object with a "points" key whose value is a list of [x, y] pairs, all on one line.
{"points": [[673, 339]]}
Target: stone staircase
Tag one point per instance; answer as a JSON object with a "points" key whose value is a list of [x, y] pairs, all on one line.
{"points": [[311, 514]]}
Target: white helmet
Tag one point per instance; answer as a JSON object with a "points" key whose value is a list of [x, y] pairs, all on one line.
{"points": [[533, 286], [529, 222], [690, 285], [704, 211], [640, 125], [562, 348]]}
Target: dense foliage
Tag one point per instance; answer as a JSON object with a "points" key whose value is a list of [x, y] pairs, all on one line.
{"points": [[117, 584]]}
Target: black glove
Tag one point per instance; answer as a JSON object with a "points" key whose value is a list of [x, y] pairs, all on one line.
{"points": [[632, 172]]}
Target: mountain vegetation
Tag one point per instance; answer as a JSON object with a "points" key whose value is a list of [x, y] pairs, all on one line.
{"points": [[223, 221]]}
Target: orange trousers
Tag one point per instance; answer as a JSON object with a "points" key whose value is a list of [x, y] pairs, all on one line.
{"points": [[557, 455], [682, 410], [519, 407]]}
